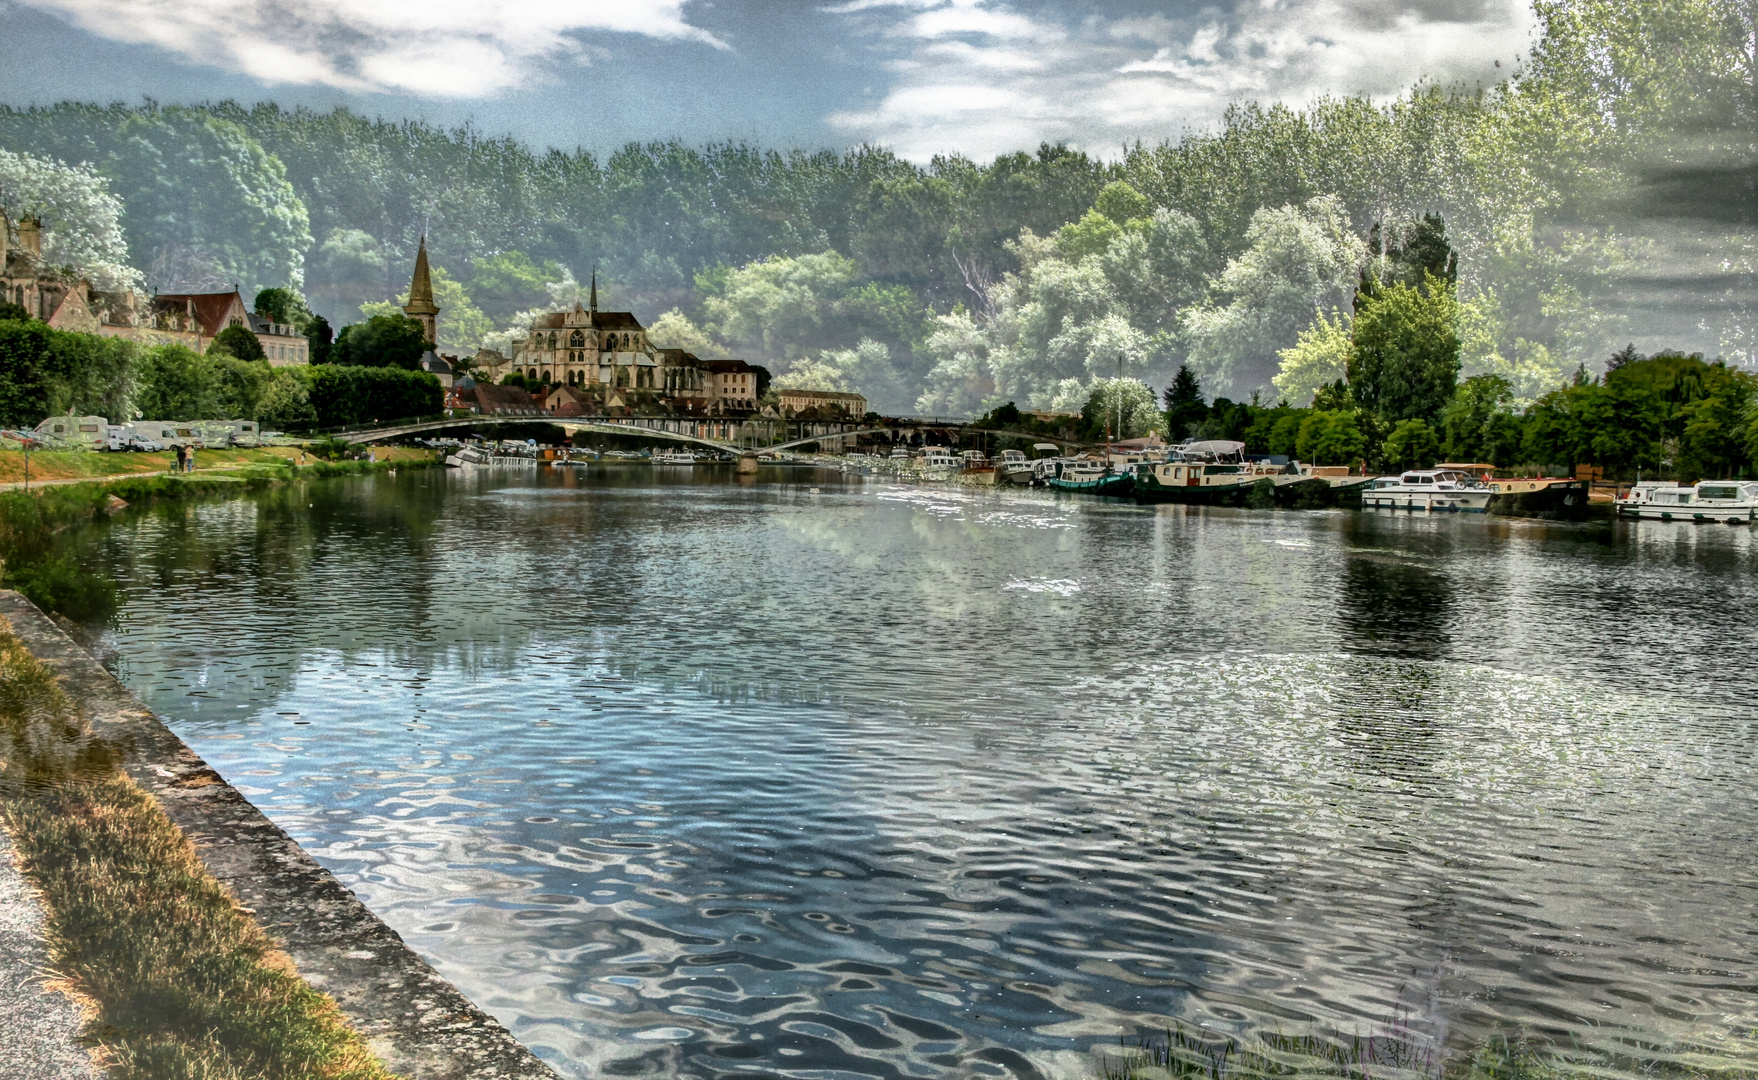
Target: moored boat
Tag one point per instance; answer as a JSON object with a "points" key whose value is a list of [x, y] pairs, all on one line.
{"points": [[1734, 502], [1216, 472], [1091, 477], [1013, 467], [673, 457], [1429, 490], [468, 455]]}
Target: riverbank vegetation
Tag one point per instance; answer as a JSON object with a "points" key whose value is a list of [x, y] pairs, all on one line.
{"points": [[181, 982], [46, 372], [1596, 196]]}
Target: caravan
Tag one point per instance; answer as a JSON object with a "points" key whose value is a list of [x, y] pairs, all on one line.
{"points": [[84, 432]]}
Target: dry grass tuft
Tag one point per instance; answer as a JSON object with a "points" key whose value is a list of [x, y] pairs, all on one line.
{"points": [[185, 986]]}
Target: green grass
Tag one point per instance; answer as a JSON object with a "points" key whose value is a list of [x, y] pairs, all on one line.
{"points": [[182, 983]]}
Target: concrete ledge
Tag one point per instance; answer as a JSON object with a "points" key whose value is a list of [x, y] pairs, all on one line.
{"points": [[420, 1026]]}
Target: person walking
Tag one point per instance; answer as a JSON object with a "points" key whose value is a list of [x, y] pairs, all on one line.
{"points": [[182, 458]]}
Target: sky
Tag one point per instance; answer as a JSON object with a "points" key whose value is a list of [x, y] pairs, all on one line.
{"points": [[923, 77]]}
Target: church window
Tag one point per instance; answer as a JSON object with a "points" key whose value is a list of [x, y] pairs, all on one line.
{"points": [[577, 340]]}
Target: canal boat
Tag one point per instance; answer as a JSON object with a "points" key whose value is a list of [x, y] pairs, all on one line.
{"points": [[673, 457], [1734, 502], [1429, 490], [1091, 477], [1216, 472]]}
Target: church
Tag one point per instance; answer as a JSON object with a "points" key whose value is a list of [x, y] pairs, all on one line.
{"points": [[587, 347]]}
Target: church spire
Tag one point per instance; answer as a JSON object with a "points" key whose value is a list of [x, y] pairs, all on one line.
{"points": [[421, 306], [595, 293]]}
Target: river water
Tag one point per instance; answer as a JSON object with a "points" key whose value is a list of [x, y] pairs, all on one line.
{"points": [[803, 777]]}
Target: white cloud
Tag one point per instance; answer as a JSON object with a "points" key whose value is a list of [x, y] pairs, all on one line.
{"points": [[437, 48], [1101, 84]]}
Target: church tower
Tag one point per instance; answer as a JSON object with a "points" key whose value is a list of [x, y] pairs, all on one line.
{"points": [[421, 306]]}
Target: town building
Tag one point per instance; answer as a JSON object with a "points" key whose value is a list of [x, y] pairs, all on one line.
{"points": [[732, 385], [189, 319], [486, 399], [794, 401]]}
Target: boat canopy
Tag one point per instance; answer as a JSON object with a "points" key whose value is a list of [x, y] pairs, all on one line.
{"points": [[1212, 450]]}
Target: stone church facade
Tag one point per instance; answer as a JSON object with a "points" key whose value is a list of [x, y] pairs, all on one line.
{"points": [[607, 350]]}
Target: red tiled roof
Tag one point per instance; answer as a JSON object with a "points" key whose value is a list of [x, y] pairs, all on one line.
{"points": [[212, 310]]}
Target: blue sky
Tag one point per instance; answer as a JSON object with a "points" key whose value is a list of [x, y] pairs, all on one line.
{"points": [[921, 76]]}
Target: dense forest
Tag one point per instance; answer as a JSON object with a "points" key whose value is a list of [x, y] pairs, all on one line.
{"points": [[1610, 176]]}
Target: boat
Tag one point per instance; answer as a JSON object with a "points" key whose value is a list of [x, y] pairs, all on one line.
{"points": [[1216, 472], [1091, 477], [1013, 467], [938, 457], [673, 457], [469, 455], [1734, 502], [1429, 490]]}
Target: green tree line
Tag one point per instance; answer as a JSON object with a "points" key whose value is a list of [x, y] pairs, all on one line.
{"points": [[954, 285], [45, 372]]}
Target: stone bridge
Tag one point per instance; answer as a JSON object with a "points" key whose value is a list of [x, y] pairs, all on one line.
{"points": [[720, 434]]}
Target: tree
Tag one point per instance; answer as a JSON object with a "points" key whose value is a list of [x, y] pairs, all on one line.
{"points": [[359, 395], [206, 205], [319, 340], [511, 281], [1300, 259], [1185, 408], [382, 341], [10, 311], [1404, 359], [1331, 438], [1318, 358], [284, 305], [1121, 409], [175, 383], [1411, 445], [238, 341], [82, 220], [1479, 424]]}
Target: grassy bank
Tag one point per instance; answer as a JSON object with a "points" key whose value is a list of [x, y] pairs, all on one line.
{"points": [[84, 464], [37, 559], [182, 984]]}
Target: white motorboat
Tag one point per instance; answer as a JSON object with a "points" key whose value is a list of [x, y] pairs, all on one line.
{"points": [[469, 455], [673, 457], [939, 457], [1438, 490], [1732, 501], [1013, 467]]}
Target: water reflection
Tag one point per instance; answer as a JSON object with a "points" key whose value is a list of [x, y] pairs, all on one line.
{"points": [[680, 775]]}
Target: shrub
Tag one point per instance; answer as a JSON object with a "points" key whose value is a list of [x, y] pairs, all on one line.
{"points": [[238, 341]]}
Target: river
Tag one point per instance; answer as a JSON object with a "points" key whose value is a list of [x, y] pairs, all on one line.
{"points": [[678, 775]]}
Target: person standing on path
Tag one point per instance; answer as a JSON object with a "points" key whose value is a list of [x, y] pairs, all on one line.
{"points": [[182, 458], [190, 460]]}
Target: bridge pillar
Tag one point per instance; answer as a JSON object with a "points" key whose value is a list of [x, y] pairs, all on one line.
{"points": [[747, 463]]}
